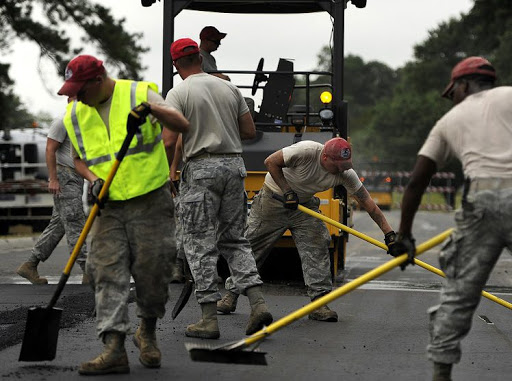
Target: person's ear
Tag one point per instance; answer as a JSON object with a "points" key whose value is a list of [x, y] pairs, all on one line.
{"points": [[466, 86]]}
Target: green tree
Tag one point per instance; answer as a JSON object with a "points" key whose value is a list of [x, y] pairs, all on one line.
{"points": [[19, 19], [404, 121]]}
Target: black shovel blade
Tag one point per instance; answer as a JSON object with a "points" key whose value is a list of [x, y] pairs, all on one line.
{"points": [[183, 298], [41, 334], [230, 353], [228, 357]]}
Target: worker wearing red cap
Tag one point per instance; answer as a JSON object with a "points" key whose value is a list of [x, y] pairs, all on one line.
{"points": [[134, 235], [478, 132], [296, 173], [210, 41], [213, 204]]}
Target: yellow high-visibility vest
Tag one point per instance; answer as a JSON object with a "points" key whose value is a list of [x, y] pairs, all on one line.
{"points": [[144, 167]]}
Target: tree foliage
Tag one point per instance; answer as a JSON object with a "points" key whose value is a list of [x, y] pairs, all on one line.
{"points": [[20, 19], [391, 112]]}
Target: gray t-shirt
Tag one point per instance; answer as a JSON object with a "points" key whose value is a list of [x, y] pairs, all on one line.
{"points": [[209, 63], [305, 174], [212, 107], [478, 132], [58, 133]]}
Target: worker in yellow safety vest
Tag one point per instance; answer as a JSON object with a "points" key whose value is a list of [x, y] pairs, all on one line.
{"points": [[134, 235]]}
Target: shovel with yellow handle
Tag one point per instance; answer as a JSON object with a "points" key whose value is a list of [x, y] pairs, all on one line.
{"points": [[42, 327]]}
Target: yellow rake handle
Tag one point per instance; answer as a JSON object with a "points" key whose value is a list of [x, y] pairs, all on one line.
{"points": [[345, 289], [426, 266]]}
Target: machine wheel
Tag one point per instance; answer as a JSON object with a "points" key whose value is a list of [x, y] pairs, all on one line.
{"points": [[258, 77]]}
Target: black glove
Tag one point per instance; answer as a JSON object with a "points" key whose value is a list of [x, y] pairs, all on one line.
{"points": [[95, 192], [389, 240], [291, 200], [137, 116], [404, 244]]}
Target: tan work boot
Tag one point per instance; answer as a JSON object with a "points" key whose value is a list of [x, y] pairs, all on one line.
{"points": [[228, 303], [145, 340], [208, 326], [113, 359], [260, 316], [442, 372], [28, 270], [324, 313]]}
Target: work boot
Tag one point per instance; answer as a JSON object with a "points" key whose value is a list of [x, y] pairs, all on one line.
{"points": [[260, 316], [145, 340], [228, 303], [28, 270], [113, 359], [442, 372], [208, 326], [324, 313]]}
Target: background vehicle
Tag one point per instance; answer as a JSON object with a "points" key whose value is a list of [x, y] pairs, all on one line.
{"points": [[380, 186], [24, 196], [278, 125]]}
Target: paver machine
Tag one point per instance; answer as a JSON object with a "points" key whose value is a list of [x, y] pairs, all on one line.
{"points": [[281, 121]]}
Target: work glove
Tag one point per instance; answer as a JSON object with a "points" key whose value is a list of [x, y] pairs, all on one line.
{"points": [[404, 244], [137, 117], [291, 200], [95, 192], [389, 240]]}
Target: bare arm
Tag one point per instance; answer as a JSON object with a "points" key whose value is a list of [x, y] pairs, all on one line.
{"points": [[169, 139], [246, 126], [51, 162], [275, 164], [420, 178], [363, 198], [178, 155], [83, 170], [169, 117]]}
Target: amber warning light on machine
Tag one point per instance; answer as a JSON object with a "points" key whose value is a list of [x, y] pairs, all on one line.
{"points": [[326, 97]]}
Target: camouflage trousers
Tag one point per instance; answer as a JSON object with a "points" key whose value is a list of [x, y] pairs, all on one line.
{"points": [[268, 220], [132, 238], [67, 217], [484, 229], [180, 253], [213, 214]]}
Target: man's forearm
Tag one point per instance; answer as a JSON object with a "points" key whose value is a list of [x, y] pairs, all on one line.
{"points": [[364, 199], [84, 171], [51, 163], [169, 117]]}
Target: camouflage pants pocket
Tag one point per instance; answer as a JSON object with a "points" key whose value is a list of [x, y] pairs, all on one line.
{"points": [[194, 213]]}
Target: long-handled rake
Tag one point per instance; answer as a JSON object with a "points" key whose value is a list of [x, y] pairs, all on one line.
{"points": [[234, 352], [375, 242]]}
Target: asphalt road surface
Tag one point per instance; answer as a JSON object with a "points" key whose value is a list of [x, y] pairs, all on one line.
{"points": [[381, 334]]}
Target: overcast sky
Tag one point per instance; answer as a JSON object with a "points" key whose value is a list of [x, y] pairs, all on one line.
{"points": [[386, 31]]}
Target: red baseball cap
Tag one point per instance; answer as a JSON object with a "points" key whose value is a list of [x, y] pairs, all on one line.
{"points": [[181, 48], [338, 149], [211, 33], [79, 70], [470, 65]]}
